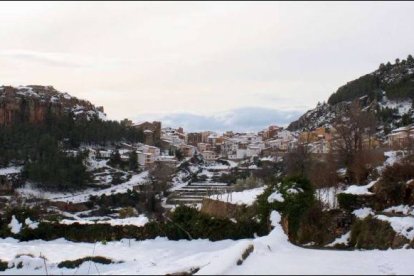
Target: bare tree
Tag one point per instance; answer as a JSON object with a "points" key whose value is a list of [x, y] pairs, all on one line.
{"points": [[352, 127], [297, 160]]}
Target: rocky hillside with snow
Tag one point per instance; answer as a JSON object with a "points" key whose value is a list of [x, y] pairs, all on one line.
{"points": [[33, 103], [388, 92]]}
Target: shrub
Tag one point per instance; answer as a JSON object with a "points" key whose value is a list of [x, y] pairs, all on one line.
{"points": [[200, 225], [298, 195], [76, 263], [127, 212], [322, 227], [183, 220], [392, 189], [348, 202], [3, 265], [371, 233], [398, 172]]}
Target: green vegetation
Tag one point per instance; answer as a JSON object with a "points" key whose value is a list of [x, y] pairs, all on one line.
{"points": [[365, 85], [183, 223], [372, 84], [298, 195], [348, 201], [53, 169], [41, 148]]}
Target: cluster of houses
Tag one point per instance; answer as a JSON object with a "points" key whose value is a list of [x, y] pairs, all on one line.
{"points": [[161, 144], [401, 137]]}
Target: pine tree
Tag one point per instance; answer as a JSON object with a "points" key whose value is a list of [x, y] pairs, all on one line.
{"points": [[133, 161]]}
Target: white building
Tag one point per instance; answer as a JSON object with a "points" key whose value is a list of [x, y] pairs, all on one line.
{"points": [[145, 159], [209, 155], [253, 151], [150, 149]]}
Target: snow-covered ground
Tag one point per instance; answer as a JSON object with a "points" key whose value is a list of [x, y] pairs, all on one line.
{"points": [[360, 190], [344, 240], [246, 197], [272, 254], [402, 107], [363, 212], [10, 170]]}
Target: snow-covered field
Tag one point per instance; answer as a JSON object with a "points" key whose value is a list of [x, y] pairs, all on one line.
{"points": [[272, 254], [246, 197]]}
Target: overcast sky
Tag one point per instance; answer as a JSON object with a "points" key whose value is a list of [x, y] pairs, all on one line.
{"points": [[144, 60]]}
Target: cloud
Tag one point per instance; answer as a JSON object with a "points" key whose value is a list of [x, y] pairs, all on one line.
{"points": [[59, 59], [240, 119]]}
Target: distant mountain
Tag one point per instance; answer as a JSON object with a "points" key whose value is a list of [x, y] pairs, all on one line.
{"points": [[33, 102], [388, 91]]}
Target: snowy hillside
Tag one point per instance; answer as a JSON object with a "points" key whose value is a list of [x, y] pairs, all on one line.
{"points": [[387, 91]]}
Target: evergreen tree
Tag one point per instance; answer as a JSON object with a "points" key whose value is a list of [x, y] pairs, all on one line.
{"points": [[115, 159], [179, 154], [133, 161]]}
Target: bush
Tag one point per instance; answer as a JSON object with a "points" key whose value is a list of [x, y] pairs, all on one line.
{"points": [[299, 197], [76, 263], [371, 233], [322, 227], [200, 225], [3, 265], [183, 220], [348, 202], [127, 212], [392, 189], [398, 172]]}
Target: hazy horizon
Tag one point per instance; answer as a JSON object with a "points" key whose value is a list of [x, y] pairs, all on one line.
{"points": [[209, 64]]}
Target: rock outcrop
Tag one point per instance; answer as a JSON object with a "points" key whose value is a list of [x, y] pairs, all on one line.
{"points": [[32, 103]]}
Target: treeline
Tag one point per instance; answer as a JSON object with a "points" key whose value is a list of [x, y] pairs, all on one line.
{"points": [[40, 147], [372, 84]]}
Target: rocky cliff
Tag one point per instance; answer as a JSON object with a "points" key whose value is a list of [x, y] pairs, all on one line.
{"points": [[32, 103]]}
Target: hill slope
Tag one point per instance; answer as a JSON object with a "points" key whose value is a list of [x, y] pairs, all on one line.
{"points": [[388, 91]]}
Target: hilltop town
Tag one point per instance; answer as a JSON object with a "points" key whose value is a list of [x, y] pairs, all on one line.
{"points": [[339, 177]]}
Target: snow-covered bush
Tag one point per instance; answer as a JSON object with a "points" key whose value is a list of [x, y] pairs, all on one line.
{"points": [[298, 195]]}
